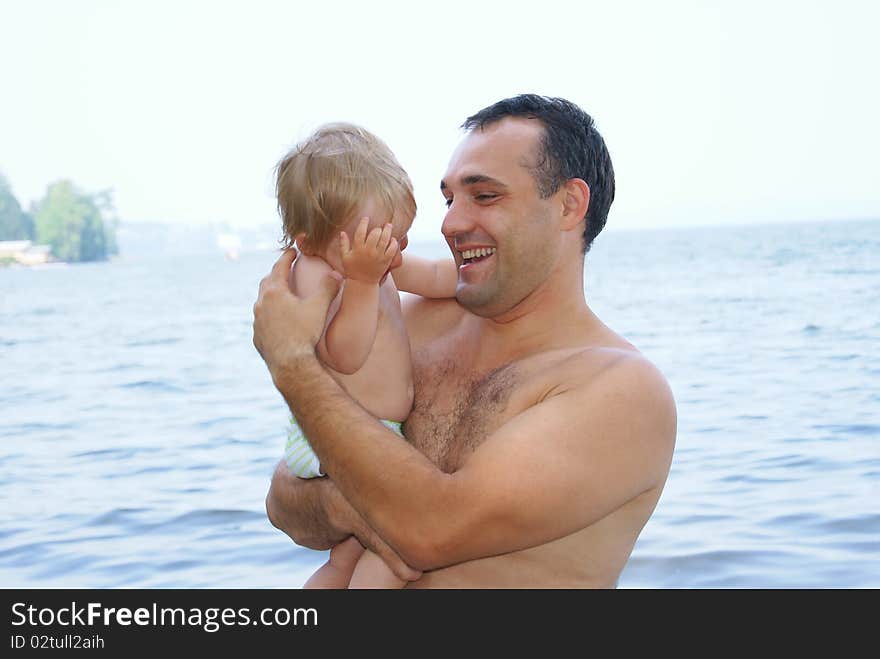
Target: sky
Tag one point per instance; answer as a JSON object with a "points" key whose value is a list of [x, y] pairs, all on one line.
{"points": [[714, 113]]}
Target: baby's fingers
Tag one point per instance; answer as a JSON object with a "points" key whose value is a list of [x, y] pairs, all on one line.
{"points": [[360, 234], [374, 240], [379, 237], [344, 244], [391, 250], [386, 237]]}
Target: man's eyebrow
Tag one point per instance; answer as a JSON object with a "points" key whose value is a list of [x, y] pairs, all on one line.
{"points": [[481, 178], [474, 179]]}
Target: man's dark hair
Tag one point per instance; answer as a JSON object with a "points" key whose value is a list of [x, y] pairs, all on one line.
{"points": [[571, 148]]}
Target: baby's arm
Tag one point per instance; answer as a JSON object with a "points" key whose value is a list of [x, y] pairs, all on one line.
{"points": [[427, 277], [349, 336]]}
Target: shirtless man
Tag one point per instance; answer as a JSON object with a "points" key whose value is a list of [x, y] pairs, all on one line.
{"points": [[539, 440]]}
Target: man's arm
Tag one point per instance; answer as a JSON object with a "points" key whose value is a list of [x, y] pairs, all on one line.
{"points": [[310, 511], [426, 277], [315, 515], [498, 501]]}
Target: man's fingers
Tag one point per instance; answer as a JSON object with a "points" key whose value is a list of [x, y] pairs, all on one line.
{"points": [[400, 569], [389, 556], [356, 524], [281, 269], [327, 290]]}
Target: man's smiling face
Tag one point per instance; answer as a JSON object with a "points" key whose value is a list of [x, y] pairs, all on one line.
{"points": [[497, 225]]}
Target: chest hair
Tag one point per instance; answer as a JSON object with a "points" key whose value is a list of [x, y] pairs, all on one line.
{"points": [[455, 408]]}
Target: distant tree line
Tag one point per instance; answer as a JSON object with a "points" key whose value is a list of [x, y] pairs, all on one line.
{"points": [[77, 226]]}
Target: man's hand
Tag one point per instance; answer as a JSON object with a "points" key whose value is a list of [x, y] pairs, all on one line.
{"points": [[287, 327], [367, 256], [316, 515]]}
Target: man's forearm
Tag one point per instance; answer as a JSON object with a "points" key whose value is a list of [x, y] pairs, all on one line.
{"points": [[303, 509], [392, 485]]}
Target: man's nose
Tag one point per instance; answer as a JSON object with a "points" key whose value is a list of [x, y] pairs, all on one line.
{"points": [[456, 222]]}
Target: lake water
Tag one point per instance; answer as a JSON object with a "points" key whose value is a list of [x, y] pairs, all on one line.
{"points": [[139, 427]]}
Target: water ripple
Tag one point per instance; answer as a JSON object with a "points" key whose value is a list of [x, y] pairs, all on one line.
{"points": [[153, 386], [118, 516], [862, 524], [850, 429], [145, 343]]}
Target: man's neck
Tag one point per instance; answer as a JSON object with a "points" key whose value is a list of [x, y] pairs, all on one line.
{"points": [[554, 316]]}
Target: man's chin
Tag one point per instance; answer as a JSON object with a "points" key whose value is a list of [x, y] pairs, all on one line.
{"points": [[473, 300]]}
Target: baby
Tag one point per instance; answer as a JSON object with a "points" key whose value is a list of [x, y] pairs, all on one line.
{"points": [[347, 204]]}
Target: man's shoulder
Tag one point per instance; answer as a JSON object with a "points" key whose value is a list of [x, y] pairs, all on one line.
{"points": [[623, 379], [610, 369], [613, 365]]}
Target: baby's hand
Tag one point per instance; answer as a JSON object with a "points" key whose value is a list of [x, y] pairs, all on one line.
{"points": [[367, 257]]}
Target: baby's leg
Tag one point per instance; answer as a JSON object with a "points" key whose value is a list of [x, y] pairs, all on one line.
{"points": [[371, 572], [338, 570]]}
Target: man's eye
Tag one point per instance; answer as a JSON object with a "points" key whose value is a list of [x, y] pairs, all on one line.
{"points": [[485, 197], [448, 202]]}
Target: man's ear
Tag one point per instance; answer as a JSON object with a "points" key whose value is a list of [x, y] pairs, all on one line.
{"points": [[304, 245], [575, 202]]}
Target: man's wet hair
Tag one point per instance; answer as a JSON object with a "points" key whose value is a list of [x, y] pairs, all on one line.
{"points": [[571, 148]]}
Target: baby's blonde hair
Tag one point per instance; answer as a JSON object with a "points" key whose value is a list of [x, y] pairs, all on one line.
{"points": [[321, 182]]}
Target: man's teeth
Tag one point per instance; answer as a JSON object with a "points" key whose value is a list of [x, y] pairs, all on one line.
{"points": [[477, 253]]}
